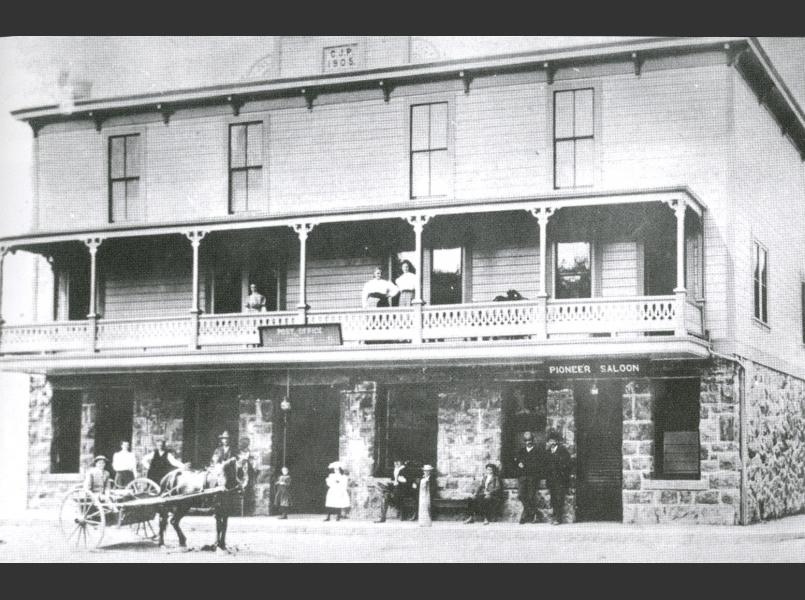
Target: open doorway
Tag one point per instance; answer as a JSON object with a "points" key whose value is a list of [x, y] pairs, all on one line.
{"points": [[208, 412], [113, 422]]}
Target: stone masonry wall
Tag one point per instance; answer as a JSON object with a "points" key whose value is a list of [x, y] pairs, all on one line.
{"points": [[775, 444], [357, 447], [715, 497], [256, 425]]}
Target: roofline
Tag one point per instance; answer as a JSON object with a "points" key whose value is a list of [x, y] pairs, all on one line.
{"points": [[764, 59], [222, 92]]}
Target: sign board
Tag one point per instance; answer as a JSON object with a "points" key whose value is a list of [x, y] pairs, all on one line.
{"points": [[324, 334], [345, 57], [596, 369]]}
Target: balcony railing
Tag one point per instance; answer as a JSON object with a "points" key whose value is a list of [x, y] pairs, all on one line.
{"points": [[479, 322]]}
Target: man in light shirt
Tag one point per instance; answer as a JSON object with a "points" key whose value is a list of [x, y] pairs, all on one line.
{"points": [[378, 292], [124, 464]]}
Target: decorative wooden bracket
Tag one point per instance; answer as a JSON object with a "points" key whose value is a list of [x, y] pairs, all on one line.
{"points": [[35, 125], [733, 54], [310, 96], [637, 61], [466, 79], [97, 118], [166, 111], [418, 221], [93, 243], [387, 87], [236, 103], [303, 229], [543, 213], [550, 71], [195, 236]]}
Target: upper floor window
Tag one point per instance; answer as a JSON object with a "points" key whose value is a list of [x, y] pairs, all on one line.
{"points": [[573, 138], [245, 166], [125, 199], [573, 270], [429, 150], [760, 280]]}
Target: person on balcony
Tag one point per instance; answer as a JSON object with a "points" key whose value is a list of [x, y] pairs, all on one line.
{"points": [[377, 292], [407, 283], [124, 464], [256, 302], [161, 462]]}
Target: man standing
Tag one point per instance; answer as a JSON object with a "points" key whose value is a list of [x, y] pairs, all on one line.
{"points": [[528, 468], [402, 489], [160, 462], [557, 474], [224, 451], [377, 291], [124, 463]]}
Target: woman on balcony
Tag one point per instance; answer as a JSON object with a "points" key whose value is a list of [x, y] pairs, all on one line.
{"points": [[407, 283], [377, 292]]}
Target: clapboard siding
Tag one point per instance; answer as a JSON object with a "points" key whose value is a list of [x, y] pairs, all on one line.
{"points": [[497, 270], [165, 290], [332, 283], [619, 274]]}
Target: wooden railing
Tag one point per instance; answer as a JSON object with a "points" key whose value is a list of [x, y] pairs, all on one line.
{"points": [[528, 319]]}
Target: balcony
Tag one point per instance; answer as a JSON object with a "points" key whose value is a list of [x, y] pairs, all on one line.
{"points": [[481, 323]]}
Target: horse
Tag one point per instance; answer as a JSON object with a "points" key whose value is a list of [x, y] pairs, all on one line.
{"points": [[232, 475]]}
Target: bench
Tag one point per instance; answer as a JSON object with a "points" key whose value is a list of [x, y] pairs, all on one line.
{"points": [[450, 505]]}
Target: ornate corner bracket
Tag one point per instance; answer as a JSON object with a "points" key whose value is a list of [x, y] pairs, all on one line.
{"points": [[303, 229], [387, 88], [550, 71], [166, 112], [637, 62], [195, 236], [466, 79], [543, 213], [418, 221], [236, 103], [93, 243], [310, 96], [97, 118]]}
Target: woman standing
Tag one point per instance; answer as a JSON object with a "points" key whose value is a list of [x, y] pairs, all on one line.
{"points": [[407, 282], [337, 493], [426, 489], [282, 498]]}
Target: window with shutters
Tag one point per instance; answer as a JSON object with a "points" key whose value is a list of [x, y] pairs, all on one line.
{"points": [[126, 198], [676, 429], [246, 167]]}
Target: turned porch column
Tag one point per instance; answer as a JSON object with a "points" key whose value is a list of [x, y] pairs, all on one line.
{"points": [[418, 222], [543, 214], [681, 293], [302, 230], [195, 237], [93, 244]]}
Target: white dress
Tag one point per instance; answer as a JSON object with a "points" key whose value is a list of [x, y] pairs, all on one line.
{"points": [[337, 494]]}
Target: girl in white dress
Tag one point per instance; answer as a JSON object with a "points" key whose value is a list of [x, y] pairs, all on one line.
{"points": [[337, 491]]}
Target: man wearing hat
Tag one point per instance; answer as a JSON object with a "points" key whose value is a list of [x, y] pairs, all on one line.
{"points": [[97, 478], [528, 466], [557, 474], [224, 451]]}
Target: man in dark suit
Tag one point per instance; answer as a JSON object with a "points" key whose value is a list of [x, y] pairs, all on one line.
{"points": [[557, 474], [160, 462], [528, 466], [402, 489]]}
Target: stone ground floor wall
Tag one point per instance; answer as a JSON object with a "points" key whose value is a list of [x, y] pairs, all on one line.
{"points": [[775, 444], [470, 432]]}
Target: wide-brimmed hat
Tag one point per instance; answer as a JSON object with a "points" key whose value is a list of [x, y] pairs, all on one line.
{"points": [[225, 434], [427, 468], [99, 457]]}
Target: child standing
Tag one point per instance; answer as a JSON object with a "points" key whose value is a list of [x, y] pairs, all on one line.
{"points": [[337, 493], [282, 497]]}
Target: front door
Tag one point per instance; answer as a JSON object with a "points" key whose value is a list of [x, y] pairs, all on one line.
{"points": [[208, 412], [307, 439], [599, 439], [113, 421]]}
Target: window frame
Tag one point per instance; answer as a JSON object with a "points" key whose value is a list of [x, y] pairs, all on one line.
{"points": [[261, 199], [554, 262], [448, 150], [760, 288], [550, 103], [463, 248], [662, 393], [139, 132]]}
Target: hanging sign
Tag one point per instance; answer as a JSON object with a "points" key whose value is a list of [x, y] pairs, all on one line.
{"points": [[324, 334]]}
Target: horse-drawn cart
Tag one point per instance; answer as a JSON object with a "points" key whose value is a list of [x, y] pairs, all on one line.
{"points": [[84, 515]]}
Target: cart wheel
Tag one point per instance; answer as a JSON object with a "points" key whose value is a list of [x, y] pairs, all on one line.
{"points": [[82, 519], [142, 487], [144, 529]]}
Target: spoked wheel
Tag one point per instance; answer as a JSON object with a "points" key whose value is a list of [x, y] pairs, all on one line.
{"points": [[144, 529], [142, 487], [82, 519]]}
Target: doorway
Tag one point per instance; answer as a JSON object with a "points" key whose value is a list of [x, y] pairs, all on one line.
{"points": [[599, 439], [113, 422], [311, 443], [208, 412]]}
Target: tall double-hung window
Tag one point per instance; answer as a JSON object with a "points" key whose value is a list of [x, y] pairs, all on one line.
{"points": [[573, 138], [245, 167], [429, 157], [760, 281], [126, 202]]}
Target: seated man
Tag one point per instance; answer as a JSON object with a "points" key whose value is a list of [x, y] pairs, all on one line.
{"points": [[401, 489], [488, 496]]}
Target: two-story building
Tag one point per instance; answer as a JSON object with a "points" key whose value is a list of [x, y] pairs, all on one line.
{"points": [[644, 199]]}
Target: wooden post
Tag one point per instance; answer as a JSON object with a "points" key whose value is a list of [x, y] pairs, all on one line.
{"points": [[195, 238], [418, 222], [681, 293], [543, 214], [302, 230], [93, 244]]}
